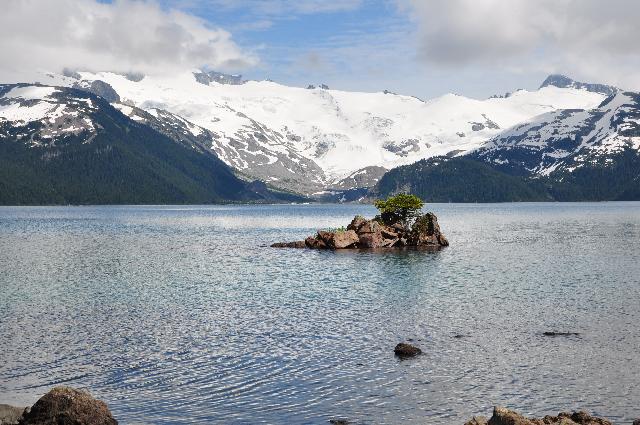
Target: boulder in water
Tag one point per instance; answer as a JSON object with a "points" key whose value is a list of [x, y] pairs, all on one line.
{"points": [[68, 406], [404, 350]]}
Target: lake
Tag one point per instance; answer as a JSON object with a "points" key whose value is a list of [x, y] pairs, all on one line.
{"points": [[182, 314]]}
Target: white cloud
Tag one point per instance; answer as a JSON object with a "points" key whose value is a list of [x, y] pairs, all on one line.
{"points": [[124, 36], [587, 38]]}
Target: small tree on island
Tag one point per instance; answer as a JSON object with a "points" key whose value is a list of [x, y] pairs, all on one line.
{"points": [[403, 208]]}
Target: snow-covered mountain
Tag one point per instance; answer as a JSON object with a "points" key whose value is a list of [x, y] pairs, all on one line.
{"points": [[568, 139], [562, 81], [564, 155], [43, 116], [309, 140], [62, 145]]}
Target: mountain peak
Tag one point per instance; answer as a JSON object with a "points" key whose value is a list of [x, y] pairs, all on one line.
{"points": [[557, 80], [564, 82]]}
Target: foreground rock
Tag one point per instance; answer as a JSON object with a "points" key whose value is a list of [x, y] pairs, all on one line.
{"points": [[376, 233], [67, 406], [404, 350], [503, 416], [10, 415]]}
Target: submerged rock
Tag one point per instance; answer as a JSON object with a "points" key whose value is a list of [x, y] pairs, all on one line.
{"points": [[68, 406], [551, 333], [503, 416], [404, 350], [377, 233], [296, 244]]}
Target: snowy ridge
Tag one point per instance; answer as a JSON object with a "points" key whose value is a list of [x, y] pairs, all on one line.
{"points": [[41, 115], [568, 139], [563, 81], [309, 139]]}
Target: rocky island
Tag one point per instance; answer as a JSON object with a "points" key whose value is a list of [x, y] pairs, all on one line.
{"points": [[399, 225]]}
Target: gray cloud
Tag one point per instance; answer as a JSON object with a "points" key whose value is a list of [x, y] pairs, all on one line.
{"points": [[123, 36], [589, 38]]}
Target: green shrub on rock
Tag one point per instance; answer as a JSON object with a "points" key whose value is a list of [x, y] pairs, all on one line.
{"points": [[402, 208]]}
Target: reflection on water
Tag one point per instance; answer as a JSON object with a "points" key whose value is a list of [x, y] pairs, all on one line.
{"points": [[182, 314]]}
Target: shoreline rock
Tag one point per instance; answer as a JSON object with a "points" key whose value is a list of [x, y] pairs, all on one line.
{"points": [[376, 234], [504, 416], [61, 405], [69, 406], [10, 415]]}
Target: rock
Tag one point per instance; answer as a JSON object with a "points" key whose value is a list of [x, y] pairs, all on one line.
{"points": [[426, 232], [636, 422], [342, 240], [314, 243], [369, 226], [10, 415], [370, 240], [325, 236], [356, 223], [338, 239], [296, 244], [504, 416], [363, 233], [579, 418], [477, 420], [404, 350], [339, 422], [68, 406], [551, 333]]}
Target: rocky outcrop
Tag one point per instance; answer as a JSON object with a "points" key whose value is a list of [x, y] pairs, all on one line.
{"points": [[67, 406], [503, 416], [376, 233], [404, 350]]}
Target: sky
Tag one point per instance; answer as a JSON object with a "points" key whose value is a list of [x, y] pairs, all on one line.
{"points": [[424, 48]]}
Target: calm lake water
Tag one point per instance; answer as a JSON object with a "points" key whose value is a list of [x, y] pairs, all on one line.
{"points": [[183, 315]]}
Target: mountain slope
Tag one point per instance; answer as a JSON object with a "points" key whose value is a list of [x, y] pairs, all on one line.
{"points": [[457, 180], [61, 145], [564, 140], [309, 140], [571, 154]]}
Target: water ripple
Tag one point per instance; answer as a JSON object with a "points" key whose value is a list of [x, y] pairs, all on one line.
{"points": [[178, 315]]}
